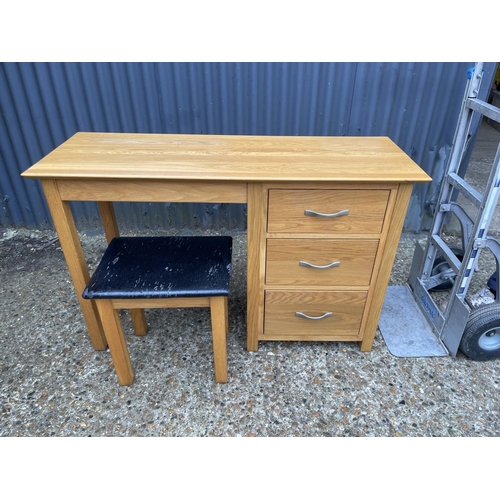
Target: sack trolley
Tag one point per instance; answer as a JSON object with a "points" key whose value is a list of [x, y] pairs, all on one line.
{"points": [[472, 328]]}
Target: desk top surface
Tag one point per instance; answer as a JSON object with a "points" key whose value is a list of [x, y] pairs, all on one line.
{"points": [[89, 155]]}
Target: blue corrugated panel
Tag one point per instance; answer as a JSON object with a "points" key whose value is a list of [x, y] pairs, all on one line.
{"points": [[43, 104]]}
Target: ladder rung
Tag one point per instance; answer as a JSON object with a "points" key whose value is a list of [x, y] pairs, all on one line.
{"points": [[445, 251], [484, 108], [466, 189]]}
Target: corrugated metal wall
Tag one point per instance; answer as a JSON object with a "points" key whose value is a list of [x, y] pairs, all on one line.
{"points": [[43, 104]]}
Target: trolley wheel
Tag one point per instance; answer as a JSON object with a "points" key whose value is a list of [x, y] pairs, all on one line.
{"points": [[441, 264], [481, 338]]}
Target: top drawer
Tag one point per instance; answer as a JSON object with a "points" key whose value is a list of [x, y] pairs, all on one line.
{"points": [[344, 210]]}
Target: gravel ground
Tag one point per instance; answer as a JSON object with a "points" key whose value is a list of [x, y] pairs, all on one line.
{"points": [[52, 383]]}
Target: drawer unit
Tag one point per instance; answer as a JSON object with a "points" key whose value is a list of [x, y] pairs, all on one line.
{"points": [[306, 315], [322, 262], [327, 210], [323, 248]]}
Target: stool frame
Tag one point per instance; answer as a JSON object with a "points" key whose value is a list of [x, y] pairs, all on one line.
{"points": [[108, 310]]}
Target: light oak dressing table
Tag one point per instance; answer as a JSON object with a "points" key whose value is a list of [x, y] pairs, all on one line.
{"points": [[325, 216]]}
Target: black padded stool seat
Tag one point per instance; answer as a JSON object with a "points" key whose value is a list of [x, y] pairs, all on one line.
{"points": [[138, 273], [162, 267]]}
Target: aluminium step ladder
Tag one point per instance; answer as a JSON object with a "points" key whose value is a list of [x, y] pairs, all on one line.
{"points": [[410, 316]]}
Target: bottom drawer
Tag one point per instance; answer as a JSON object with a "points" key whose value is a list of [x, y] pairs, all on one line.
{"points": [[340, 312]]}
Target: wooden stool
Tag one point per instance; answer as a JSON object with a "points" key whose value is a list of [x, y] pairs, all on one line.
{"points": [[160, 272]]}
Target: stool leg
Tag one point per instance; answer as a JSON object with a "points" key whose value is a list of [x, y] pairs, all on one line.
{"points": [[116, 341], [139, 321], [218, 314], [226, 315]]}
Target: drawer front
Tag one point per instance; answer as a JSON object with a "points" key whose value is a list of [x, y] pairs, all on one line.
{"points": [[338, 262], [343, 310], [345, 210]]}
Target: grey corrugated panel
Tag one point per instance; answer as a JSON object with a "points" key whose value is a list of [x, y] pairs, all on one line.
{"points": [[19, 147], [417, 106], [43, 104]]}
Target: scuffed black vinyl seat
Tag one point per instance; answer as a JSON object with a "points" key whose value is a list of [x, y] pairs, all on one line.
{"points": [[162, 267]]}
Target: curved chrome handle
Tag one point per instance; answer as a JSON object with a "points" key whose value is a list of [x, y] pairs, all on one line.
{"points": [[303, 263], [302, 315], [319, 214]]}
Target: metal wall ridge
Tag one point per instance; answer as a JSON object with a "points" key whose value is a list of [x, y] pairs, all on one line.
{"points": [[43, 104]]}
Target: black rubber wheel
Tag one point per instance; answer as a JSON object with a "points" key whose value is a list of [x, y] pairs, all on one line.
{"points": [[481, 338], [441, 264]]}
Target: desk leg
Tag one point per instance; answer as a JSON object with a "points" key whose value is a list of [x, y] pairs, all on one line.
{"points": [[108, 218], [110, 225], [391, 246], [75, 260], [256, 254]]}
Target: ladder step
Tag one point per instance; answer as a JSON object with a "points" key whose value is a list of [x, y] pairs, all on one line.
{"points": [[466, 189], [445, 251], [484, 108]]}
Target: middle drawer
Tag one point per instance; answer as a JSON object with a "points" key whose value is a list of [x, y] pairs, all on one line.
{"points": [[327, 262]]}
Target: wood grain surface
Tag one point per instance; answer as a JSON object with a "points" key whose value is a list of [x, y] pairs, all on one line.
{"points": [[228, 157], [355, 262]]}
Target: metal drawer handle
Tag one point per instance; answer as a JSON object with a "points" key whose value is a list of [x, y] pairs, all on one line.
{"points": [[318, 214], [303, 263], [302, 315]]}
